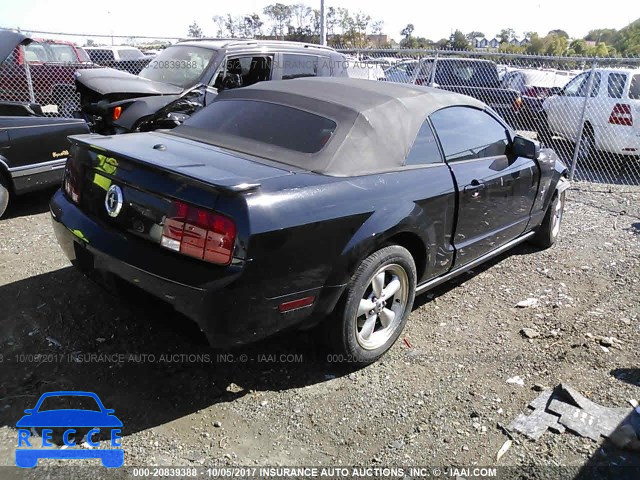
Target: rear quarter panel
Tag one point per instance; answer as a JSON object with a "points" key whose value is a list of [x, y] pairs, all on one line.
{"points": [[316, 230]]}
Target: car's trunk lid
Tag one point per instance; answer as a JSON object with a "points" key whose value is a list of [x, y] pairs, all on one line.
{"points": [[153, 171]]}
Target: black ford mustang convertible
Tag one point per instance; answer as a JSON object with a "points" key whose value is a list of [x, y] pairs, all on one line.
{"points": [[307, 202]]}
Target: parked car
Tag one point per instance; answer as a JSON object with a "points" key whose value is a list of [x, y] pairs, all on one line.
{"points": [[534, 86], [284, 203], [401, 72], [121, 57], [469, 76], [33, 148], [186, 76], [51, 67], [612, 113]]}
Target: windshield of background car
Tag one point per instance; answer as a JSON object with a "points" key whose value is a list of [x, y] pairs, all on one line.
{"points": [[63, 53], [466, 73], [180, 65], [263, 122], [50, 52], [60, 402]]}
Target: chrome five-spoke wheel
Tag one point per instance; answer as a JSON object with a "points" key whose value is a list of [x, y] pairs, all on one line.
{"points": [[382, 307]]}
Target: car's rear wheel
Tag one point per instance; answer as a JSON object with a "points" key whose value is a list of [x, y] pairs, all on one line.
{"points": [[587, 144], [5, 194], [376, 305], [548, 232]]}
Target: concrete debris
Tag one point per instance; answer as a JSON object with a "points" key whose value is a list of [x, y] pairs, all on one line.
{"points": [[530, 332], [517, 380], [563, 408], [503, 449], [529, 302]]}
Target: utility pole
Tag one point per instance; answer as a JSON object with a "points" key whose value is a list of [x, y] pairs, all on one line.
{"points": [[323, 29]]}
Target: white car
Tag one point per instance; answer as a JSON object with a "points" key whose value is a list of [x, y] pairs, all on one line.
{"points": [[612, 114]]}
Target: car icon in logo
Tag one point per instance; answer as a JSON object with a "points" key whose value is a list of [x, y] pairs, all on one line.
{"points": [[93, 416], [113, 200]]}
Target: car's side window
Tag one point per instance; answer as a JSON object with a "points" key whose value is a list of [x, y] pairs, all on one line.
{"points": [[615, 84], [299, 66], [425, 148], [595, 85], [467, 133], [634, 88], [573, 88], [244, 71]]}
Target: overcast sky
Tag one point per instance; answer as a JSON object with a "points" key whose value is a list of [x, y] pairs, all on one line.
{"points": [[433, 20]]}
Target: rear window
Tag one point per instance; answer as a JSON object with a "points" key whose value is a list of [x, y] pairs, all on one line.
{"points": [[63, 53], [64, 402], [101, 55], [264, 122], [634, 89]]}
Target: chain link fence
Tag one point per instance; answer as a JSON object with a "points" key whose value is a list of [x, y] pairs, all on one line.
{"points": [[586, 109]]}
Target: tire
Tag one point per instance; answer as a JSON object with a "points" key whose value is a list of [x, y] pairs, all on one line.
{"points": [[548, 231], [363, 338], [587, 145], [5, 194]]}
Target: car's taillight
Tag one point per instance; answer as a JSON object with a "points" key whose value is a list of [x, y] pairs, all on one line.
{"points": [[199, 233], [72, 180], [621, 115], [115, 114]]}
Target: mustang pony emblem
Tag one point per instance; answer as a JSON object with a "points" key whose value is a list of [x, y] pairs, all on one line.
{"points": [[113, 200]]}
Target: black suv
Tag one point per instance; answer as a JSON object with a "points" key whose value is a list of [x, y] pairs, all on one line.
{"points": [[184, 78]]}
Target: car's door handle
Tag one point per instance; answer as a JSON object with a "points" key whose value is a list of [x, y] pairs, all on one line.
{"points": [[474, 188]]}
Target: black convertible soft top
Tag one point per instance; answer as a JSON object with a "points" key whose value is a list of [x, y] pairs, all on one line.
{"points": [[377, 122]]}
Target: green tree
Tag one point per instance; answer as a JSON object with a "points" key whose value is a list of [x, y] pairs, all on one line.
{"points": [[472, 36], [506, 34], [280, 16], [407, 31], [536, 45], [232, 26], [600, 50], [194, 31], [458, 41], [558, 33], [628, 42], [606, 35], [301, 15], [578, 47], [556, 45], [219, 21]]}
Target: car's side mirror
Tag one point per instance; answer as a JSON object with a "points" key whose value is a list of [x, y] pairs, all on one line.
{"points": [[109, 411], [556, 91], [525, 147], [29, 411]]}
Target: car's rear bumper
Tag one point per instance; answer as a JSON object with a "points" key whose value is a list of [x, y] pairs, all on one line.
{"points": [[228, 306], [619, 139]]}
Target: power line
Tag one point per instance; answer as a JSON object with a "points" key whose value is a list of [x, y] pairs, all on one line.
{"points": [[96, 34]]}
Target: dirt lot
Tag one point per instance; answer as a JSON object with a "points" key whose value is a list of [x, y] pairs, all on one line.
{"points": [[436, 399]]}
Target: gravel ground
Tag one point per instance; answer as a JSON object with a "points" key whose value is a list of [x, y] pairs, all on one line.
{"points": [[437, 398]]}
